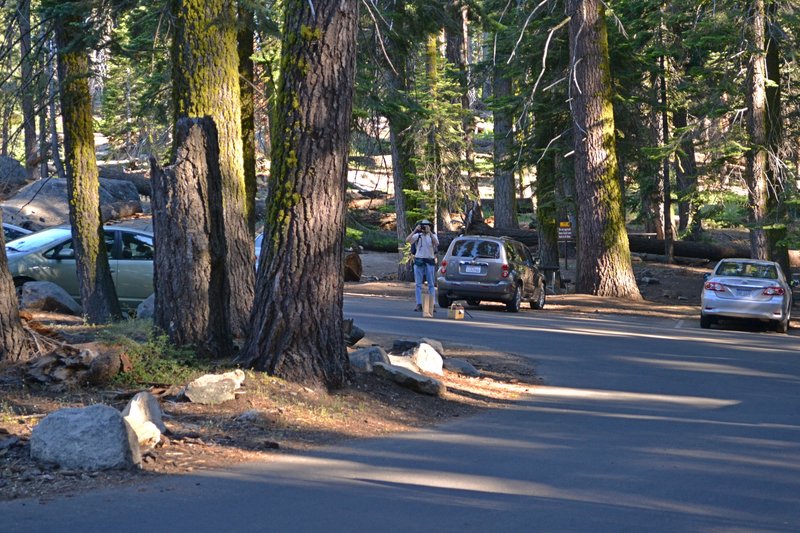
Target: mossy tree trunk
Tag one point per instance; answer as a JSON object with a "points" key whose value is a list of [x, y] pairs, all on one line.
{"points": [[187, 307], [205, 81], [296, 324], [247, 97], [604, 260], [98, 294], [14, 344], [757, 168]]}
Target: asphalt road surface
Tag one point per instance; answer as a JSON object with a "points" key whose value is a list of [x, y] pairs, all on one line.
{"points": [[641, 425]]}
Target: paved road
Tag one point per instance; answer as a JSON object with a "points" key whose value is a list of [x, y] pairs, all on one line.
{"points": [[643, 425]]}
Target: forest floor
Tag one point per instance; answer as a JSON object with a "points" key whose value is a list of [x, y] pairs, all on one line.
{"points": [[290, 417]]}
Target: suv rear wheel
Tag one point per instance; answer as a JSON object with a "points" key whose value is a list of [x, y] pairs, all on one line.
{"points": [[444, 301], [516, 301]]}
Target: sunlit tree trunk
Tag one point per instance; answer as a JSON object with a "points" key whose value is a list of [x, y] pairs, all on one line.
{"points": [[296, 324], [98, 294], [604, 261], [757, 156], [206, 83]]}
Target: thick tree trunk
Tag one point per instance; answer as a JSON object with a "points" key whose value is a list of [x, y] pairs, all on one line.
{"points": [[296, 324], [189, 267], [604, 262], [247, 96], [206, 83], [98, 294], [757, 156], [14, 344]]}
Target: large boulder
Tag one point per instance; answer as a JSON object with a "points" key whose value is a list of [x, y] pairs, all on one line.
{"points": [[410, 379], [364, 358], [426, 358], [147, 309], [143, 414], [212, 389], [12, 175], [89, 438], [47, 296], [44, 203]]}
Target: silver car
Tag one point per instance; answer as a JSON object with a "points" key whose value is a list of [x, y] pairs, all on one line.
{"points": [[11, 232], [49, 256], [747, 288]]}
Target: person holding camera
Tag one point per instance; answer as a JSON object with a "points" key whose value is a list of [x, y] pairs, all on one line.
{"points": [[426, 243]]}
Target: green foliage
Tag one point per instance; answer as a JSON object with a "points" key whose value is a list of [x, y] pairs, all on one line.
{"points": [[153, 360], [725, 210], [371, 239]]}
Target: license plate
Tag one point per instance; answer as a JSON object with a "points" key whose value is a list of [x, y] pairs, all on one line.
{"points": [[742, 292], [472, 269]]}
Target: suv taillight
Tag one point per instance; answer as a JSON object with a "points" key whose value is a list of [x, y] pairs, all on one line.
{"points": [[774, 291], [443, 267], [505, 271]]}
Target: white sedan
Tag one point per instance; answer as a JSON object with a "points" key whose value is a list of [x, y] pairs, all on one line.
{"points": [[747, 288]]}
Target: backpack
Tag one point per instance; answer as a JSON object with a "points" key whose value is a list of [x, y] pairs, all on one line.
{"points": [[413, 248]]}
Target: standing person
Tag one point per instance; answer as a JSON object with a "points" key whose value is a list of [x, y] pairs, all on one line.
{"points": [[426, 243]]}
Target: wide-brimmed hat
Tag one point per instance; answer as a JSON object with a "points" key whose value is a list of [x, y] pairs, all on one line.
{"points": [[424, 222]]}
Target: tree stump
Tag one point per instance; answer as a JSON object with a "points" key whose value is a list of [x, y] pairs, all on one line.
{"points": [[189, 266]]}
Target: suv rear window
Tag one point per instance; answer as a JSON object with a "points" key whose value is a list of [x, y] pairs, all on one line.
{"points": [[474, 248]]}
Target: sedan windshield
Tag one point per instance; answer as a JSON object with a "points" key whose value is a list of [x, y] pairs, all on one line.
{"points": [[34, 241]]}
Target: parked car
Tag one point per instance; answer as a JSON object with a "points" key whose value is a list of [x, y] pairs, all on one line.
{"points": [[49, 256], [11, 232], [478, 268], [747, 288]]}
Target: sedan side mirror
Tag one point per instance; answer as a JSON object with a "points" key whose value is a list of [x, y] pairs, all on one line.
{"points": [[65, 253], [706, 276], [794, 283]]}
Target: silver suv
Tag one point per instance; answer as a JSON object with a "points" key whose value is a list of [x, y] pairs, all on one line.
{"points": [[478, 267]]}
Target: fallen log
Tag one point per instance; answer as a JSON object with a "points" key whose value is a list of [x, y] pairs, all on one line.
{"points": [[703, 250]]}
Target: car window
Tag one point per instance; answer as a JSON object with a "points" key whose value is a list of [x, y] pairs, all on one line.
{"points": [[67, 245], [473, 248], [136, 246], [512, 254]]}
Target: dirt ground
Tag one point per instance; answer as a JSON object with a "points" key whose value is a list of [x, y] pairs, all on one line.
{"points": [[272, 417]]}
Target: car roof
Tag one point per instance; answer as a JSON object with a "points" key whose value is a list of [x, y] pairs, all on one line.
{"points": [[746, 260]]}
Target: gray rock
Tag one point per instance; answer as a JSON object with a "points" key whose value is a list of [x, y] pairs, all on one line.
{"points": [[363, 359], [410, 379], [89, 438], [251, 415], [460, 366], [404, 361], [212, 389], [12, 175], [147, 309], [426, 358], [433, 343], [145, 407], [352, 333], [400, 346], [46, 296], [44, 203]]}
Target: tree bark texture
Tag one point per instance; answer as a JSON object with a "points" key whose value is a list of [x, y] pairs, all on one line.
{"points": [[28, 93], [505, 197], [247, 97], [98, 294], [189, 266], [757, 156], [206, 83], [14, 344], [604, 262], [546, 199], [685, 168], [296, 324]]}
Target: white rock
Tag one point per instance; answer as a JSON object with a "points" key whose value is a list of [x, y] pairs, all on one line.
{"points": [[145, 407]]}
